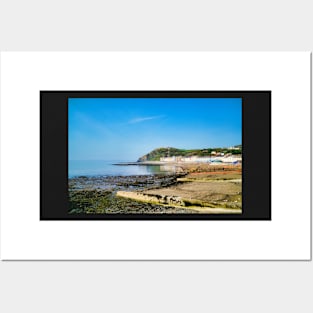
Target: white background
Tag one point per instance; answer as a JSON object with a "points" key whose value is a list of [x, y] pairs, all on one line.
{"points": [[23, 236], [156, 286]]}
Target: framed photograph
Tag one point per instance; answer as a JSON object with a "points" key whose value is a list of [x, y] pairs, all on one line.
{"points": [[155, 155]]}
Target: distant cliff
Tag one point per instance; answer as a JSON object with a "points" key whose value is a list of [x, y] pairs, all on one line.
{"points": [[158, 153]]}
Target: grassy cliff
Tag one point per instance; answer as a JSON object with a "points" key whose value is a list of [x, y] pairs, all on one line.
{"points": [[158, 153]]}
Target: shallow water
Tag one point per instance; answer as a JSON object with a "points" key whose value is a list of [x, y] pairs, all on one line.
{"points": [[106, 168]]}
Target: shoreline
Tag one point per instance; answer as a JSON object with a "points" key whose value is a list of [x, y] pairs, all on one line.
{"points": [[173, 163], [141, 163], [199, 189]]}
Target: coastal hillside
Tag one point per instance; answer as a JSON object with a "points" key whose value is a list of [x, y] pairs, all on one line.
{"points": [[158, 153]]}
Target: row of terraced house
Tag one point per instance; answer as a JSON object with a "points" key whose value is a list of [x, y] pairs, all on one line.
{"points": [[211, 159]]}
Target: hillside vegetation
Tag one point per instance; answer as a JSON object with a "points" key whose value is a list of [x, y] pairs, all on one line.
{"points": [[158, 153]]}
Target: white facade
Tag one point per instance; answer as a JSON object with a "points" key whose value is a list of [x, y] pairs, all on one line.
{"points": [[195, 159]]}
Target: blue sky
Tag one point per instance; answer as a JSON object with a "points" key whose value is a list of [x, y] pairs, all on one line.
{"points": [[124, 129]]}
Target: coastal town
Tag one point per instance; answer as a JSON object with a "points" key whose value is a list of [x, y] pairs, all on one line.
{"points": [[230, 155], [208, 181], [155, 156], [215, 159], [201, 181]]}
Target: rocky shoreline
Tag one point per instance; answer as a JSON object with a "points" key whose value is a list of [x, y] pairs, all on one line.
{"points": [[97, 194], [115, 183], [194, 191]]}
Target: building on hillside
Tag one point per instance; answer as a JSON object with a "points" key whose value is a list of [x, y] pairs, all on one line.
{"points": [[229, 158], [168, 159]]}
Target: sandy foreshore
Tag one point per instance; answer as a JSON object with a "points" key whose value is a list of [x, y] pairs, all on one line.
{"points": [[204, 192]]}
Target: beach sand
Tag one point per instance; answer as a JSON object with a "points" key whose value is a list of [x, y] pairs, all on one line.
{"points": [[205, 192]]}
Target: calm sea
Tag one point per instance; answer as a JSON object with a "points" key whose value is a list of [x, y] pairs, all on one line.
{"points": [[106, 168]]}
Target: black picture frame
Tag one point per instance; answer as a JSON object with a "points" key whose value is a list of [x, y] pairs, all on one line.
{"points": [[256, 154]]}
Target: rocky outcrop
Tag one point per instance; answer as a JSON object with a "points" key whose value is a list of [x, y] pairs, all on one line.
{"points": [[175, 201], [161, 199]]}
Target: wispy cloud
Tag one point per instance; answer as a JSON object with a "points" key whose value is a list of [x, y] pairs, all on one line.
{"points": [[143, 119]]}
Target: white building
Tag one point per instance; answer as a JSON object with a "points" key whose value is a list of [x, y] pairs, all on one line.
{"points": [[196, 159]]}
